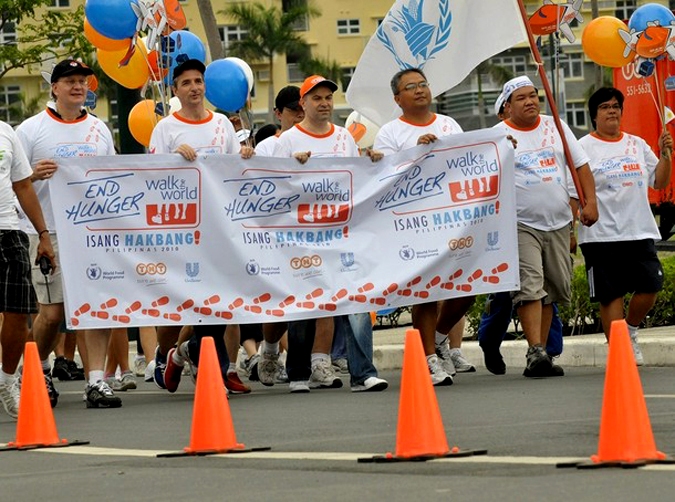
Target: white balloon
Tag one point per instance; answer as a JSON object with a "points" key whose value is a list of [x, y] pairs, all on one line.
{"points": [[174, 104], [362, 130], [247, 70]]}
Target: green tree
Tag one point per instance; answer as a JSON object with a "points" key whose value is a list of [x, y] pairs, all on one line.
{"points": [[330, 69], [271, 31], [40, 36], [499, 74]]}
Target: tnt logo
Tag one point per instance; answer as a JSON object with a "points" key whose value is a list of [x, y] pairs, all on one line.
{"points": [[176, 213], [323, 213], [471, 190]]}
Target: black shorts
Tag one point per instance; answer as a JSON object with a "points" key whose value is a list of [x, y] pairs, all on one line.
{"points": [[252, 332], [16, 289], [615, 269]]}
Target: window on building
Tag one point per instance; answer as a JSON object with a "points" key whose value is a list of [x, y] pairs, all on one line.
{"points": [[347, 74], [624, 9], [576, 115], [293, 59], [572, 65], [8, 33], [300, 24], [349, 26], [60, 3], [231, 33], [10, 98], [515, 64]]}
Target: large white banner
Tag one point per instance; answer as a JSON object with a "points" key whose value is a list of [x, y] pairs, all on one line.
{"points": [[156, 240]]}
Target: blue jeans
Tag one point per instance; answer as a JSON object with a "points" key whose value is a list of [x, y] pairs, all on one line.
{"points": [[496, 318]]}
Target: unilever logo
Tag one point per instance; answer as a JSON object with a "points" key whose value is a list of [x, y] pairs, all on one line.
{"points": [[493, 238], [347, 259], [192, 269], [424, 39]]}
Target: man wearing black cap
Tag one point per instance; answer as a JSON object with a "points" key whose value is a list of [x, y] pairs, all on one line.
{"points": [[289, 112], [64, 128]]}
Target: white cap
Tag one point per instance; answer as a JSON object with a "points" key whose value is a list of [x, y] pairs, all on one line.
{"points": [[515, 83], [499, 103], [243, 135]]}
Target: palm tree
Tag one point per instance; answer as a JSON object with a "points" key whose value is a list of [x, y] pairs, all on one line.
{"points": [[330, 69], [270, 31], [499, 74]]}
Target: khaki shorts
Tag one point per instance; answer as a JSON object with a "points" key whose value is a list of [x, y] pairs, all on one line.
{"points": [[53, 281], [545, 265]]}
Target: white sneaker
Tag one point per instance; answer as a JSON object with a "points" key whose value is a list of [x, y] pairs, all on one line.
{"points": [[9, 395], [371, 384], [140, 366], [282, 376], [299, 387], [639, 360], [445, 358], [323, 377], [460, 363], [268, 367], [149, 374], [438, 375], [340, 365]]}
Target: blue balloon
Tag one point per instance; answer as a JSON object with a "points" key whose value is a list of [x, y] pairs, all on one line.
{"points": [[184, 45], [650, 13], [114, 19], [226, 85]]}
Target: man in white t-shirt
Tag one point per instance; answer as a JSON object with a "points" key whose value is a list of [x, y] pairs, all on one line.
{"points": [[317, 137], [418, 125], [64, 129], [544, 216], [288, 111], [17, 298], [192, 131]]}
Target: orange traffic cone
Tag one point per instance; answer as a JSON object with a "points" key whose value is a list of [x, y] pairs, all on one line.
{"points": [[626, 437], [420, 434], [212, 427], [36, 427]]}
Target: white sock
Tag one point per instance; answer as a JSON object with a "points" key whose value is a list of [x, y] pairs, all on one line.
{"points": [[177, 358], [6, 378], [317, 357], [269, 348], [441, 338], [46, 367], [232, 368], [95, 376], [632, 330]]}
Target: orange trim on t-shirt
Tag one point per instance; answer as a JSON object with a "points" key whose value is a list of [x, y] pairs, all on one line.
{"points": [[319, 136], [608, 140], [53, 115], [193, 122], [433, 119], [524, 129]]}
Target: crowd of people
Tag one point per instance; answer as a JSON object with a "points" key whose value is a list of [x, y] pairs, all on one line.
{"points": [[616, 235]]}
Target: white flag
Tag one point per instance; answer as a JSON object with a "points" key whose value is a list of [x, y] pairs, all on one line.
{"points": [[445, 38]]}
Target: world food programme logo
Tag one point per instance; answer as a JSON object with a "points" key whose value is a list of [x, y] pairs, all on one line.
{"points": [[192, 269], [423, 39], [94, 273], [406, 253], [252, 268], [347, 259]]}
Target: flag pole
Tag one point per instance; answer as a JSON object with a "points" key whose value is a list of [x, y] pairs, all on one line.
{"points": [[551, 101]]}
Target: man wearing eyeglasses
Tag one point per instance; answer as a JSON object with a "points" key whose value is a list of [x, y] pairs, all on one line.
{"points": [[418, 125], [63, 129]]}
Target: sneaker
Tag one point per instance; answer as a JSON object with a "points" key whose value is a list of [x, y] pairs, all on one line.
{"points": [[252, 368], [173, 371], [323, 377], [126, 382], [76, 373], [340, 365], [439, 376], [460, 363], [9, 395], [51, 390], [494, 362], [282, 376], [299, 387], [371, 384], [539, 364], [445, 359], [639, 359], [140, 365], [149, 371], [268, 368], [234, 384], [158, 372], [60, 369], [101, 395]]}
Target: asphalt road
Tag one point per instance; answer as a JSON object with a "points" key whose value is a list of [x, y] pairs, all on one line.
{"points": [[526, 426]]}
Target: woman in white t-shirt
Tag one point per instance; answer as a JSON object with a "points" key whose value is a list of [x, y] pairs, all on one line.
{"points": [[619, 249]]}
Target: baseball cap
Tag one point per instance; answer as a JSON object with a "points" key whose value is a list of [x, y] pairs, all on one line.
{"points": [[514, 84], [69, 67], [190, 64], [243, 135], [288, 97], [314, 81]]}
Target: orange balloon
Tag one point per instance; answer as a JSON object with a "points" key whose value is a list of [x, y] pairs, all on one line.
{"points": [[101, 42], [132, 75], [93, 83], [653, 41], [603, 44], [142, 120], [156, 72]]}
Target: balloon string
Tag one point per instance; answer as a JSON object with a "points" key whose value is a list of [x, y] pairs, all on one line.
{"points": [[659, 96]]}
